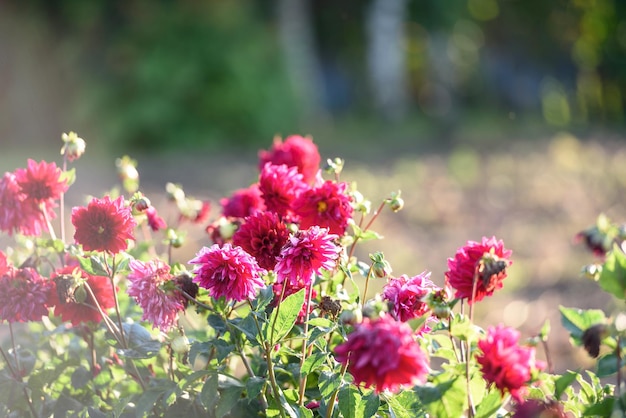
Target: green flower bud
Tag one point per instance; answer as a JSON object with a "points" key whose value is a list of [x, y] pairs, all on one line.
{"points": [[73, 146], [180, 344]]}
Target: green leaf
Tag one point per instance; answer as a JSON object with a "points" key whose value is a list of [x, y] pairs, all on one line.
{"points": [[445, 399], [93, 265], [140, 342], [607, 365], [489, 405], [604, 408], [371, 404], [248, 327], [313, 362], [209, 394], [349, 402], [563, 382], [305, 412], [576, 321], [264, 298], [254, 386], [227, 401], [328, 383], [284, 317], [321, 322], [461, 327], [407, 405], [149, 399], [81, 377], [68, 176], [613, 274]]}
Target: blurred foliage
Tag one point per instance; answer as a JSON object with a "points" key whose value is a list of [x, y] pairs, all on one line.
{"points": [[169, 74]]}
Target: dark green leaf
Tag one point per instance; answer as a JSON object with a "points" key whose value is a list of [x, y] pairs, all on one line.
{"points": [[148, 400], [372, 403], [209, 394], [228, 399], [607, 365], [254, 386], [249, 328], [217, 323], [81, 377], [349, 401], [265, 297], [604, 408], [284, 317]]}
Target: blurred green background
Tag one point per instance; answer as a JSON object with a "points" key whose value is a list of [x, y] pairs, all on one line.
{"points": [[158, 76]]}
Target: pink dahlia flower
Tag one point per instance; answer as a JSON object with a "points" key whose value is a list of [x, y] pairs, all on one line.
{"points": [[24, 295], [155, 222], [407, 295], [104, 225], [384, 354], [506, 364], [279, 186], [484, 262], [153, 288], [4, 264], [327, 206], [228, 271], [17, 213], [243, 202], [78, 311], [535, 408], [262, 236], [305, 254], [296, 151], [41, 182]]}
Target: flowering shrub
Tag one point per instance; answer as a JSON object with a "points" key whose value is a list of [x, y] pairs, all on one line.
{"points": [[272, 317]]}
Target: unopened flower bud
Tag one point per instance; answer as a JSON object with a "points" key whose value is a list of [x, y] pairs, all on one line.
{"points": [[139, 202], [592, 272], [351, 317], [395, 202], [80, 294], [73, 146], [180, 344], [438, 302], [380, 267]]}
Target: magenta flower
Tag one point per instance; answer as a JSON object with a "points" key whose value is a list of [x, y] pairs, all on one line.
{"points": [[243, 202], [155, 222], [505, 364], [41, 182], [296, 151], [384, 354], [153, 288], [104, 225], [228, 271], [17, 213], [279, 186], [24, 295], [262, 236], [484, 262], [327, 206], [78, 311], [305, 254], [407, 295]]}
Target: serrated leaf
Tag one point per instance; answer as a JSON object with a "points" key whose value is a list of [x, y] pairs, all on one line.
{"points": [[576, 321], [349, 402], [563, 382], [613, 274], [313, 362], [328, 383], [407, 405], [284, 317]]}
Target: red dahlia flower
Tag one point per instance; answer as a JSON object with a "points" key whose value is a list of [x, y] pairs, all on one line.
{"points": [[24, 295], [243, 202], [78, 311], [262, 236], [280, 185], [505, 364], [228, 271], [296, 151], [154, 220], [407, 295], [484, 262], [17, 213], [327, 206], [104, 225], [384, 354], [41, 182], [305, 254], [153, 288], [4, 264]]}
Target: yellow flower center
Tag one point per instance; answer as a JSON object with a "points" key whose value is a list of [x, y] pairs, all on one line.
{"points": [[321, 207]]}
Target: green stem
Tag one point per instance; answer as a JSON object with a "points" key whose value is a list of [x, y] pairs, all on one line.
{"points": [[48, 223], [374, 216], [333, 397], [304, 345], [367, 282], [282, 295], [117, 302]]}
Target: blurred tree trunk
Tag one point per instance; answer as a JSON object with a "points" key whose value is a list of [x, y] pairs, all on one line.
{"points": [[386, 56], [301, 57]]}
